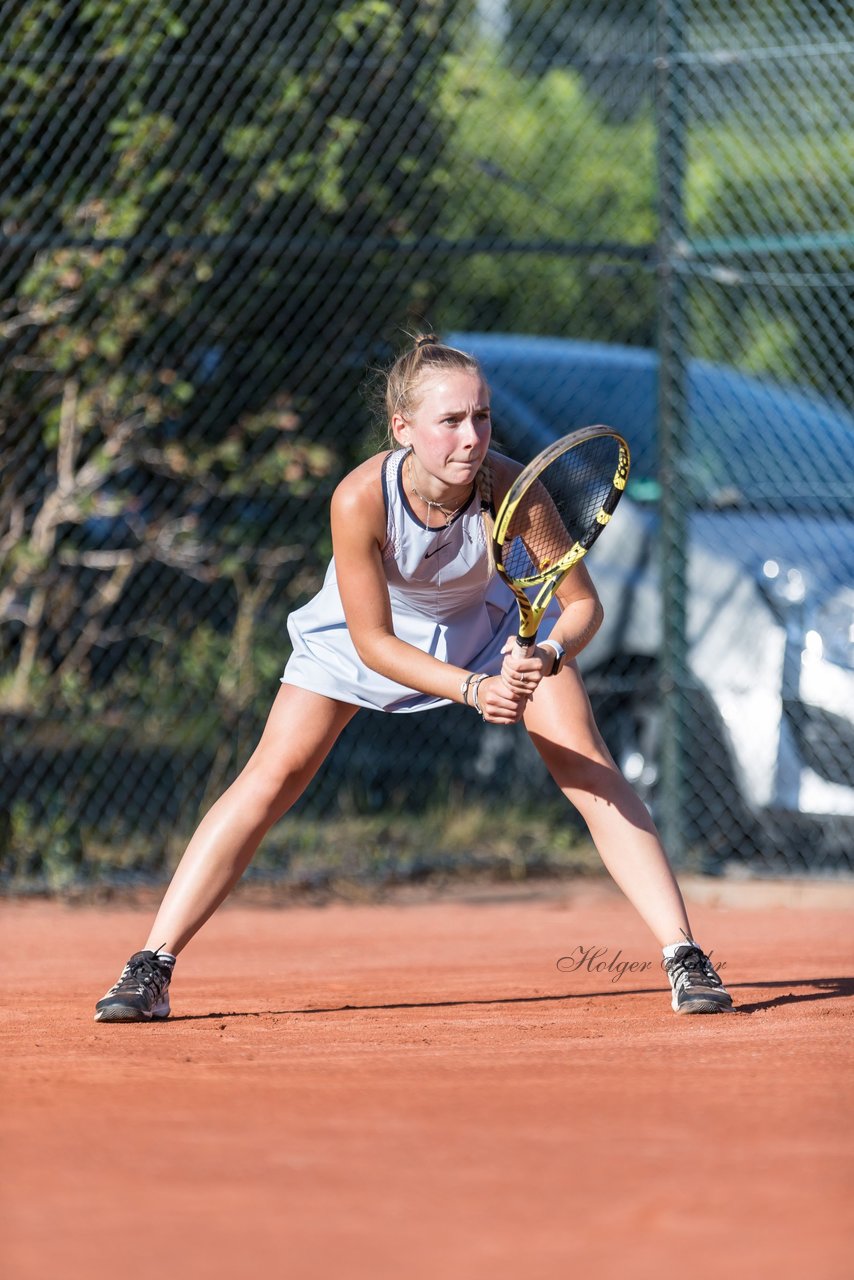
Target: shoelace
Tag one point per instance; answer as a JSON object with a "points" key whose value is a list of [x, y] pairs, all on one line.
{"points": [[694, 964], [143, 972]]}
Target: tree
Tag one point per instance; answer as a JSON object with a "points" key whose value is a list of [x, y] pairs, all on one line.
{"points": [[557, 206], [554, 190], [189, 224]]}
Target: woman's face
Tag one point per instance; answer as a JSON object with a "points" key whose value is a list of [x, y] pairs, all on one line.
{"points": [[449, 428]]}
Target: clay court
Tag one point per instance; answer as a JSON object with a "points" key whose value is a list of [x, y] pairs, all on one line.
{"points": [[417, 1088]]}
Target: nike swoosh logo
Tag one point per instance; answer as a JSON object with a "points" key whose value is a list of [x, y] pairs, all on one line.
{"points": [[441, 547]]}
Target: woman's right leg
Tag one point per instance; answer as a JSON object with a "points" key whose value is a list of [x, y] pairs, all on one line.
{"points": [[300, 731]]}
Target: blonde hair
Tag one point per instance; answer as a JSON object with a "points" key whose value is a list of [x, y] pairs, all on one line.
{"points": [[427, 355]]}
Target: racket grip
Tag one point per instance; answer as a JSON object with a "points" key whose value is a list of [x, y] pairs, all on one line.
{"points": [[524, 644]]}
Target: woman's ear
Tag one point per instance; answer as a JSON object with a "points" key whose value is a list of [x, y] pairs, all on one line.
{"points": [[400, 429]]}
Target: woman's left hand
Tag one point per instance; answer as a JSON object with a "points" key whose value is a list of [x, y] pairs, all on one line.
{"points": [[523, 669]]}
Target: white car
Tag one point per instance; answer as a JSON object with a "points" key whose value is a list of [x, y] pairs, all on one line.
{"points": [[770, 588]]}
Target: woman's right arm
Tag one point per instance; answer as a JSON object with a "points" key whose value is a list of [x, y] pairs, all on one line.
{"points": [[358, 535]]}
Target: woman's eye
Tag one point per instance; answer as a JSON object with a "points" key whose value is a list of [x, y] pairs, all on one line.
{"points": [[455, 420]]}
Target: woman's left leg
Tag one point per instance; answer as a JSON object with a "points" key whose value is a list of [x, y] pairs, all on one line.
{"points": [[561, 726]]}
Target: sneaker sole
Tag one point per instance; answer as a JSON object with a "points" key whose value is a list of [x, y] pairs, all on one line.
{"points": [[121, 1013], [701, 1006]]}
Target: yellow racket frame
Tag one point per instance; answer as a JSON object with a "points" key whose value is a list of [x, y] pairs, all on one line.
{"points": [[549, 580]]}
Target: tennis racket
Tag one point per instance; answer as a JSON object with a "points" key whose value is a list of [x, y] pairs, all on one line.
{"points": [[553, 513]]}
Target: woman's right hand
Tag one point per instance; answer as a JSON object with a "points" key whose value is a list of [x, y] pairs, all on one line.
{"points": [[498, 703]]}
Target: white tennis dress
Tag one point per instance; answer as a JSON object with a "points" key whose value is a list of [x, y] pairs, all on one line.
{"points": [[444, 601]]}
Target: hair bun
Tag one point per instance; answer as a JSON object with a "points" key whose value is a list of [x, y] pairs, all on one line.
{"points": [[426, 340]]}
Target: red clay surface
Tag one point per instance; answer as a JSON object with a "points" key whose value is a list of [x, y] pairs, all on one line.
{"points": [[415, 1090]]}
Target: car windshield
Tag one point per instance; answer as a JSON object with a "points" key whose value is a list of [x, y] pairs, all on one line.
{"points": [[752, 444]]}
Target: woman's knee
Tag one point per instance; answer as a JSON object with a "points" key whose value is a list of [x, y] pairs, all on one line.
{"points": [[594, 784], [593, 773], [269, 784]]}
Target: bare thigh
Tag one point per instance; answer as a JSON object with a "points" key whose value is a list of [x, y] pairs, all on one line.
{"points": [[301, 729], [561, 725], [560, 721]]}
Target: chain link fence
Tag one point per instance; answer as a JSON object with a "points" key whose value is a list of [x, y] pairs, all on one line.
{"points": [[218, 217]]}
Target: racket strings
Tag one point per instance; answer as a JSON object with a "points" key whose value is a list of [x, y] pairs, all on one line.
{"points": [[563, 507]]}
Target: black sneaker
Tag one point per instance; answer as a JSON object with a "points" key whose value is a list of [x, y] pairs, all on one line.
{"points": [[141, 993], [696, 986]]}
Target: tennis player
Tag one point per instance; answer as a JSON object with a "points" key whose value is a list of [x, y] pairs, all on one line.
{"points": [[412, 615]]}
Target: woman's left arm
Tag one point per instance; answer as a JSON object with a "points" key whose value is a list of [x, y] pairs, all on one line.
{"points": [[582, 614]]}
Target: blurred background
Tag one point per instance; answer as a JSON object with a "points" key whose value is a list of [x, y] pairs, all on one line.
{"points": [[217, 219]]}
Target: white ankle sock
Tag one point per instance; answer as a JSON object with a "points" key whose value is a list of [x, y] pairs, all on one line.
{"points": [[670, 951]]}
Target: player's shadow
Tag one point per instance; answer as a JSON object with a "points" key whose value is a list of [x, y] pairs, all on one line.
{"points": [[813, 989], [391, 1005]]}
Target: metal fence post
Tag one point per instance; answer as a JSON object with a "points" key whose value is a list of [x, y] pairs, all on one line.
{"points": [[671, 107]]}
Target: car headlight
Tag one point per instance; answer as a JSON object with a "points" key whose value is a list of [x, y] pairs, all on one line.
{"points": [[831, 631], [826, 627], [784, 583]]}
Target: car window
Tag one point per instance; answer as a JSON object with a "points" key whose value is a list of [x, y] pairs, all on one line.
{"points": [[753, 444]]}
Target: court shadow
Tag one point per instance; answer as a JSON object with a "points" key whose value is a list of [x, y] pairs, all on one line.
{"points": [[494, 1001], [813, 989]]}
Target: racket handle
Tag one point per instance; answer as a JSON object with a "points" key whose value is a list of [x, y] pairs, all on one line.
{"points": [[524, 645]]}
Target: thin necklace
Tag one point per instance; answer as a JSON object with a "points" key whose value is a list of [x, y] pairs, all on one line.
{"points": [[429, 504]]}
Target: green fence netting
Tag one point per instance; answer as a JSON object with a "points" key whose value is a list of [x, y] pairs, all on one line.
{"points": [[216, 219]]}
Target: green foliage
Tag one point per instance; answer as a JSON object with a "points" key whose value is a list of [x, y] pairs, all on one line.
{"points": [[555, 171], [534, 161], [777, 201], [346, 855], [214, 217], [142, 335]]}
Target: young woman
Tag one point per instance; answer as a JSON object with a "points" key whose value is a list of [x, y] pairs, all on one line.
{"points": [[411, 615]]}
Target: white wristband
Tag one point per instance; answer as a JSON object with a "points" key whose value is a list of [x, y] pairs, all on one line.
{"points": [[556, 648]]}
